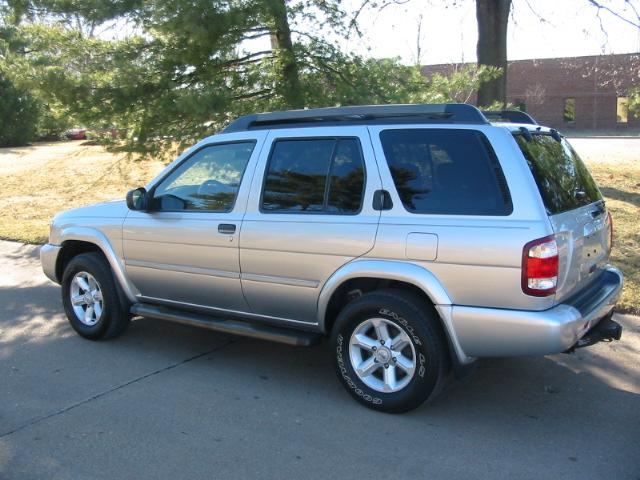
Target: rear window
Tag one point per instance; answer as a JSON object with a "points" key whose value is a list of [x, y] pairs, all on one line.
{"points": [[563, 180], [446, 171]]}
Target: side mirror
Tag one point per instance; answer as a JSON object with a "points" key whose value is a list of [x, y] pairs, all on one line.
{"points": [[137, 199]]}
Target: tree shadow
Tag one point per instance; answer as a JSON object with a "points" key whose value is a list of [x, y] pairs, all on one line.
{"points": [[621, 195]]}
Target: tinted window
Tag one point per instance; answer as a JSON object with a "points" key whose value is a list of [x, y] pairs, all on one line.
{"points": [[314, 175], [449, 171], [563, 180], [347, 178], [208, 180]]}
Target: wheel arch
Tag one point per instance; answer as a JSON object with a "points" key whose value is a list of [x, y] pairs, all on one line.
{"points": [[364, 272], [77, 240], [370, 275]]}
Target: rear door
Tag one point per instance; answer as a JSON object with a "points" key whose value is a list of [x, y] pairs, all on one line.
{"points": [[310, 212], [575, 207]]}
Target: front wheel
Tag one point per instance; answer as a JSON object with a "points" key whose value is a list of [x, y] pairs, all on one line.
{"points": [[390, 353], [93, 304]]}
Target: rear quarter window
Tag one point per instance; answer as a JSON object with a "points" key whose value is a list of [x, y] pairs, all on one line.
{"points": [[563, 180], [446, 171]]}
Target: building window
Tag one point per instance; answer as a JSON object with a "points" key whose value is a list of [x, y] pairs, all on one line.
{"points": [[569, 115], [622, 109]]}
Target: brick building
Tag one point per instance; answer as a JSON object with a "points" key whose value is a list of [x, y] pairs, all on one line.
{"points": [[584, 93]]}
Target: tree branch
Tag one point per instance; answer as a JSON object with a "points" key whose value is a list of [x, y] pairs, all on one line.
{"points": [[599, 6]]}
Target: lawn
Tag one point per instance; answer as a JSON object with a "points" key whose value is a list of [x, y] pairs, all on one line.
{"points": [[38, 181]]}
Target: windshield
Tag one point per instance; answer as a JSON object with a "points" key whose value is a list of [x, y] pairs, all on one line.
{"points": [[563, 180]]}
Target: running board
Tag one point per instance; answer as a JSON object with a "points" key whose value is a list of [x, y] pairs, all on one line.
{"points": [[236, 327]]}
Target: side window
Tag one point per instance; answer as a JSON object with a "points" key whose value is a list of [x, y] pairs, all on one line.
{"points": [[446, 171], [314, 176], [206, 181]]}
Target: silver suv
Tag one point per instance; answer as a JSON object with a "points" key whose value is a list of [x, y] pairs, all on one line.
{"points": [[418, 237]]}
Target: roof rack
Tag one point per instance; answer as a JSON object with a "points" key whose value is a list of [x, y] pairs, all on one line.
{"points": [[511, 116], [360, 115]]}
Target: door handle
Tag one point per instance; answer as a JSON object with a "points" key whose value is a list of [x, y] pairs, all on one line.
{"points": [[227, 228]]}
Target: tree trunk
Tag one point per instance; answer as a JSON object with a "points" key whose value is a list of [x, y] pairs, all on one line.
{"points": [[282, 45], [493, 18]]}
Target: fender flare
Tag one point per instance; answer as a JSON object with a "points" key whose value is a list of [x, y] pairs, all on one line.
{"points": [[386, 269], [96, 237], [400, 271]]}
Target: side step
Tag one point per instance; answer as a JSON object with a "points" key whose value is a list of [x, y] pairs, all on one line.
{"points": [[236, 327]]}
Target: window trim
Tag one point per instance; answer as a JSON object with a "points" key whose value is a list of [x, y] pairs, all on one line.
{"points": [[336, 138], [493, 163], [153, 189]]}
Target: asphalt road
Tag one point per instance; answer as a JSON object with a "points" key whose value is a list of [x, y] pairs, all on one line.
{"points": [[168, 401]]}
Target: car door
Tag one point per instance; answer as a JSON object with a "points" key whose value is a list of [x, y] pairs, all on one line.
{"points": [[185, 249], [310, 212]]}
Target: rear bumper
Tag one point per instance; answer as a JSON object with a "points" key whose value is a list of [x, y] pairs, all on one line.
{"points": [[48, 259], [488, 332]]}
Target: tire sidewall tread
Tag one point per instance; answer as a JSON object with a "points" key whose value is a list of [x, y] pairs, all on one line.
{"points": [[115, 316], [418, 319]]}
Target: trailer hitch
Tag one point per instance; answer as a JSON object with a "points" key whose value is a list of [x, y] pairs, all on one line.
{"points": [[606, 330]]}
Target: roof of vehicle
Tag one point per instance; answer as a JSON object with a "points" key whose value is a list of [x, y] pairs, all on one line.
{"points": [[446, 113]]}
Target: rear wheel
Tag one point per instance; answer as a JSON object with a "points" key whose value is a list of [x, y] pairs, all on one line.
{"points": [[389, 351], [92, 301]]}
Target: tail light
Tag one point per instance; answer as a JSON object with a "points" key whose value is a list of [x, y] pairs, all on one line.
{"points": [[540, 267], [610, 227]]}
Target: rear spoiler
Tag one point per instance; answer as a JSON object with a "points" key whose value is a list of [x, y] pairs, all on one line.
{"points": [[510, 116]]}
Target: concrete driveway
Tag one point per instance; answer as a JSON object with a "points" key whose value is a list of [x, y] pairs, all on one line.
{"points": [[167, 401]]}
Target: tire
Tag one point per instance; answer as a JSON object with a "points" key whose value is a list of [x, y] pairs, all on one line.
{"points": [[414, 326], [93, 270]]}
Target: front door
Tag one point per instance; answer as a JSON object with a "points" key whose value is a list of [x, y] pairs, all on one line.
{"points": [[185, 249]]}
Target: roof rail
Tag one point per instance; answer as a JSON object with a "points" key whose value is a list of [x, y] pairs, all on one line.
{"points": [[511, 116], [361, 115]]}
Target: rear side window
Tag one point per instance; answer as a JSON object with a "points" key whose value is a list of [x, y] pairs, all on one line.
{"points": [[314, 176], [446, 171], [563, 180]]}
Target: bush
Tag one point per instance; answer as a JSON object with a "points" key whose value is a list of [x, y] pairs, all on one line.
{"points": [[18, 115]]}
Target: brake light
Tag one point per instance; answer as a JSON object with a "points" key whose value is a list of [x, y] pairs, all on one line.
{"points": [[540, 267], [610, 227]]}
